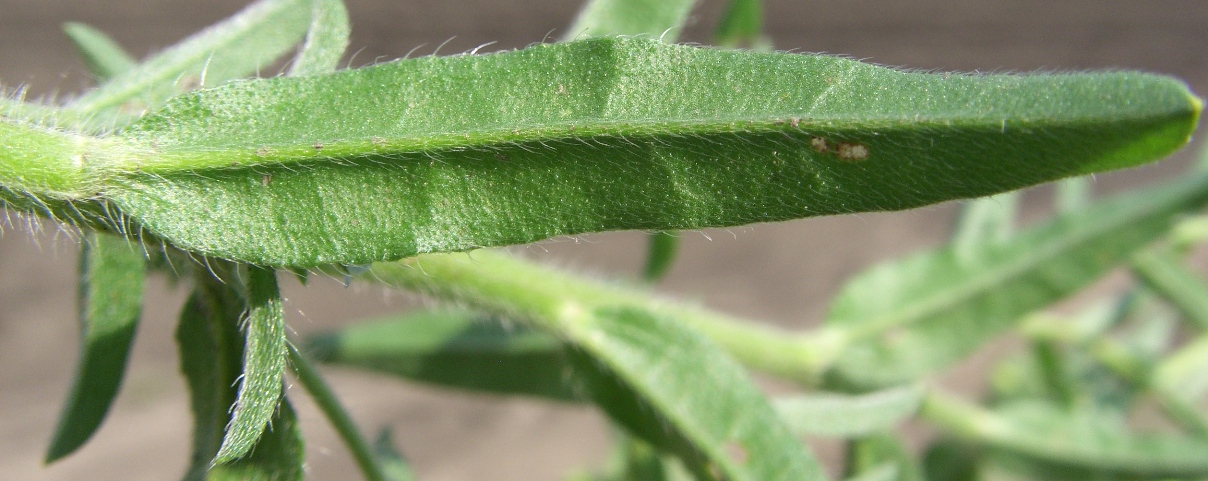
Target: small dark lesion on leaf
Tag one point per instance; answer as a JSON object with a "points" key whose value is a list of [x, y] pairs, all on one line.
{"points": [[266, 179], [318, 146], [263, 152]]}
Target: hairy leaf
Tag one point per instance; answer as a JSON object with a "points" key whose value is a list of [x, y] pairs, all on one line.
{"points": [[239, 45], [833, 415], [929, 310], [103, 56], [452, 153], [263, 366], [277, 456], [111, 300]]}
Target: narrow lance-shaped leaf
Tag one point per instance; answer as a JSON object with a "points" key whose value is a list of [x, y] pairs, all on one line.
{"points": [[103, 56], [239, 45], [467, 351], [677, 390], [1081, 441], [451, 153], [654, 376], [926, 311], [211, 353], [326, 39], [277, 456], [210, 348], [841, 416], [656, 18], [263, 365], [111, 300], [456, 349]]}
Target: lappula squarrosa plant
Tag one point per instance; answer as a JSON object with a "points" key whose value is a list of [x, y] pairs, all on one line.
{"points": [[389, 173]]}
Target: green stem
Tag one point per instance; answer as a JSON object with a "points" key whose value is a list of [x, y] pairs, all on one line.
{"points": [[326, 399], [961, 418], [547, 298]]}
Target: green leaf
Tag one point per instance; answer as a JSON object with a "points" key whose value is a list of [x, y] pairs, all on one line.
{"points": [[263, 366], [1185, 372], [103, 56], [456, 349], [948, 459], [606, 18], [211, 350], [742, 25], [1079, 440], [869, 456], [111, 300], [843, 416], [277, 456], [986, 220], [927, 311], [677, 390], [393, 465], [1073, 194], [463, 350], [326, 39], [660, 256], [1163, 272], [882, 472], [235, 47], [451, 153]]}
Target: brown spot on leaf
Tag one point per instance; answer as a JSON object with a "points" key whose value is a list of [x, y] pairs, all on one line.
{"points": [[851, 151], [794, 121], [265, 179], [819, 144]]}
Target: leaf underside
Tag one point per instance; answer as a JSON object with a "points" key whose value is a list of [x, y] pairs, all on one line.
{"points": [[454, 153]]}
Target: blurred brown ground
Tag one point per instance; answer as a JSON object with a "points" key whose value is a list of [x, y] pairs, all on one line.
{"points": [[780, 273]]}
